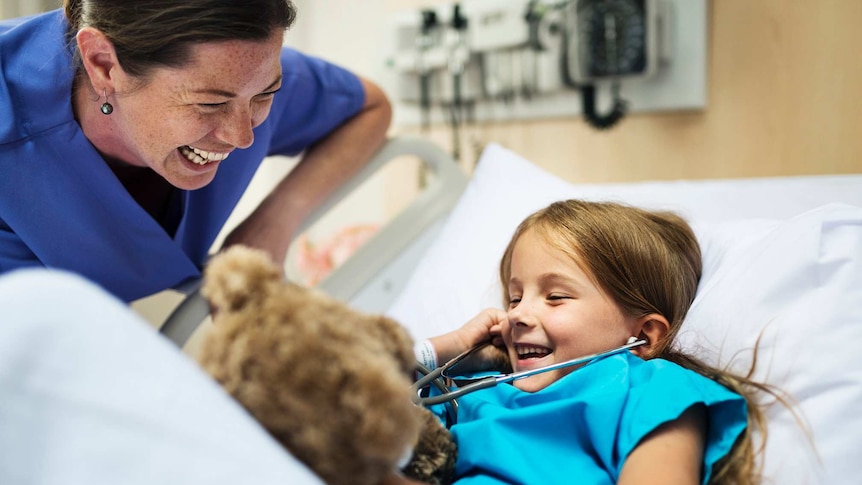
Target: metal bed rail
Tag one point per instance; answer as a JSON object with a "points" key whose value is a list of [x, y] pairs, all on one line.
{"points": [[371, 266]]}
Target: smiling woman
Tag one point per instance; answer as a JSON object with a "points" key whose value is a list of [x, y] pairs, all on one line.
{"points": [[151, 118], [198, 113]]}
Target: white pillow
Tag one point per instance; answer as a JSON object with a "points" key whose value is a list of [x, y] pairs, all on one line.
{"points": [[772, 267], [797, 286]]}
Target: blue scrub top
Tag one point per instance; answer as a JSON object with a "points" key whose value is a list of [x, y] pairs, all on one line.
{"points": [[60, 204], [582, 428]]}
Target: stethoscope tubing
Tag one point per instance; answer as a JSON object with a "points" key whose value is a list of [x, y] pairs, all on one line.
{"points": [[491, 381]]}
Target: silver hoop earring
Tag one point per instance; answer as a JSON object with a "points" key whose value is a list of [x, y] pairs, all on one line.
{"points": [[106, 107]]}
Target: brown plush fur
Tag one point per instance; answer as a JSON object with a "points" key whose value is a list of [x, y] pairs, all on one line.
{"points": [[434, 457], [329, 383]]}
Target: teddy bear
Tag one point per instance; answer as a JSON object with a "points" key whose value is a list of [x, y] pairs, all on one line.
{"points": [[330, 383]]}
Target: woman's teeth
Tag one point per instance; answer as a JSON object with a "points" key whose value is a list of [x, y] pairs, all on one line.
{"points": [[201, 157]]}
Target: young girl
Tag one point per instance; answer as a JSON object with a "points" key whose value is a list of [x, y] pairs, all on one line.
{"points": [[581, 278]]}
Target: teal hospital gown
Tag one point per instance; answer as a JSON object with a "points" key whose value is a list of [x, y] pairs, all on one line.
{"points": [[581, 428]]}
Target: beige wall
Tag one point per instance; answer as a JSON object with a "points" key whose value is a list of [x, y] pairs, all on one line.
{"points": [[784, 98]]}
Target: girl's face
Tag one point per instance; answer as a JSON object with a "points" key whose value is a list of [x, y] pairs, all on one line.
{"points": [[556, 313], [183, 122]]}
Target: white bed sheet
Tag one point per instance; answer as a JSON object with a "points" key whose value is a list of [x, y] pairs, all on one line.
{"points": [[782, 258], [90, 394]]}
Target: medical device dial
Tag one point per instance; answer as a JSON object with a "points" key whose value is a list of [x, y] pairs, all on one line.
{"points": [[610, 38]]}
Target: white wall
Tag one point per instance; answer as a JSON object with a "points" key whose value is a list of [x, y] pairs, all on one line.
{"points": [[349, 33]]}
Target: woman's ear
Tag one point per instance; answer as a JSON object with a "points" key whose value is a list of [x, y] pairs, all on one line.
{"points": [[652, 328], [99, 59]]}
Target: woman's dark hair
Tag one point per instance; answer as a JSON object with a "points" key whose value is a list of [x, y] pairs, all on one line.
{"points": [[159, 33]]}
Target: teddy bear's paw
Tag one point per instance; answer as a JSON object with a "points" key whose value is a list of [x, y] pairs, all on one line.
{"points": [[237, 276], [434, 457]]}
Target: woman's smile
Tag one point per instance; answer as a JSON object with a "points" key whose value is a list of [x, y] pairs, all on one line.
{"points": [[214, 101], [202, 157]]}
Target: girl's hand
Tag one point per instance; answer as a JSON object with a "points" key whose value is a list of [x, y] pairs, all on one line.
{"points": [[484, 327]]}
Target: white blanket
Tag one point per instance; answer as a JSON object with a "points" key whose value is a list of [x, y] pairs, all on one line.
{"points": [[91, 395]]}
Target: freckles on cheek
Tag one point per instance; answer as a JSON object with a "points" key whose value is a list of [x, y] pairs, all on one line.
{"points": [[150, 129], [184, 131]]}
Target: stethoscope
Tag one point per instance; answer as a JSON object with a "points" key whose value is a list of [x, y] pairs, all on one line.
{"points": [[437, 377]]}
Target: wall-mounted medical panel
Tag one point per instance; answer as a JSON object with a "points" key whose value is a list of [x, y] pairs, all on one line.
{"points": [[487, 60]]}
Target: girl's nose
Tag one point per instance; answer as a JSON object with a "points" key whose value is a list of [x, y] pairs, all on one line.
{"points": [[522, 316]]}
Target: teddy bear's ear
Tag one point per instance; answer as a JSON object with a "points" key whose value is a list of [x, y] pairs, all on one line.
{"points": [[237, 276]]}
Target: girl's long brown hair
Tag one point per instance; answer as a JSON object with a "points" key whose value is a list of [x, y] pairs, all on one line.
{"points": [[649, 262]]}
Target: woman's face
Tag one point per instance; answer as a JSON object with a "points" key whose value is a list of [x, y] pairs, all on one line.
{"points": [[184, 121], [556, 312]]}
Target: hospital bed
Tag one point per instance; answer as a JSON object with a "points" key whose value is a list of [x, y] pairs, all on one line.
{"points": [[782, 267], [782, 263]]}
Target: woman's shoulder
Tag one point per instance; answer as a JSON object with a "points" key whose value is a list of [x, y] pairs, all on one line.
{"points": [[307, 68], [18, 30], [315, 97], [35, 75]]}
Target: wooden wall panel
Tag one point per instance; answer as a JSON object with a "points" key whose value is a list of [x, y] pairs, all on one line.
{"points": [[784, 98]]}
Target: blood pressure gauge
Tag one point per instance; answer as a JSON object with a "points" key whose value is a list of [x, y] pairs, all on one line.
{"points": [[611, 39]]}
